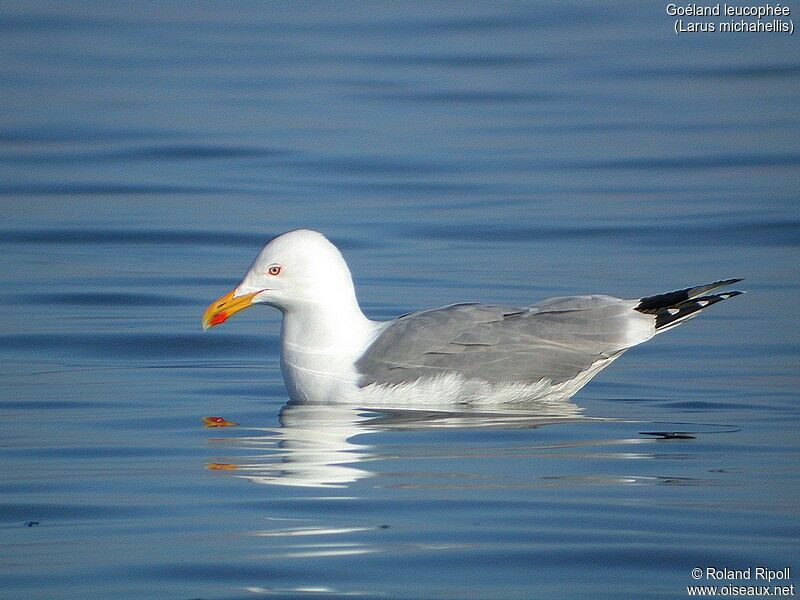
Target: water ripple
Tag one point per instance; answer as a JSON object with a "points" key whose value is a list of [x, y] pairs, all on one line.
{"points": [[755, 71], [51, 511], [97, 298], [152, 236], [771, 233], [772, 159], [467, 97], [154, 152], [142, 346], [104, 189], [132, 236], [59, 135], [461, 60]]}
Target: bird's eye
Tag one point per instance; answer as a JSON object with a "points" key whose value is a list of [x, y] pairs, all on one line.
{"points": [[274, 270]]}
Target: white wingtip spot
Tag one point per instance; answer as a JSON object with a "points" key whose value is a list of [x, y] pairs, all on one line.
{"points": [[673, 311]]}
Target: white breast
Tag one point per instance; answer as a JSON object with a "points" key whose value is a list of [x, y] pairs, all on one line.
{"points": [[318, 356]]}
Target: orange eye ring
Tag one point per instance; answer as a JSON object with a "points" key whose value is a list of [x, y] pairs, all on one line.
{"points": [[274, 270]]}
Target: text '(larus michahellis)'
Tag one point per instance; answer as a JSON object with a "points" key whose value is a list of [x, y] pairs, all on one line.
{"points": [[475, 353]]}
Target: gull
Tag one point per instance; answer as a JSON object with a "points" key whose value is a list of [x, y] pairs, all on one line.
{"points": [[462, 353]]}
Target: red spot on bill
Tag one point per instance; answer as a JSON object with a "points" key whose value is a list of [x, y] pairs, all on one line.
{"points": [[220, 317], [217, 422]]}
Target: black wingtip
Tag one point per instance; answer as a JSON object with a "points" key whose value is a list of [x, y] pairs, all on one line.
{"points": [[659, 302], [673, 315]]}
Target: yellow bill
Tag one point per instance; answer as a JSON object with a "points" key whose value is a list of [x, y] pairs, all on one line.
{"points": [[223, 308]]}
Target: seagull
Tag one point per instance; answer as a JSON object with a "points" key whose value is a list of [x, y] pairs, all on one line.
{"points": [[462, 353]]}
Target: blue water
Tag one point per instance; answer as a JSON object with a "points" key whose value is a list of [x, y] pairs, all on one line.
{"points": [[454, 152]]}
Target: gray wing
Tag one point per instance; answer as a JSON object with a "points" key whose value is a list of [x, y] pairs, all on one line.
{"points": [[556, 340]]}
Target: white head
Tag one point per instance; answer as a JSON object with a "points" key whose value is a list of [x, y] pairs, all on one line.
{"points": [[298, 270]]}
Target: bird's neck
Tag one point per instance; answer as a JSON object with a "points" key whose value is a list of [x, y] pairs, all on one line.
{"points": [[319, 343]]}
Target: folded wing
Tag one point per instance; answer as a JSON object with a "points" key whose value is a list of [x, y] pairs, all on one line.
{"points": [[556, 340]]}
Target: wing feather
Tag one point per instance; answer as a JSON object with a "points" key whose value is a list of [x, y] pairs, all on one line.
{"points": [[556, 340]]}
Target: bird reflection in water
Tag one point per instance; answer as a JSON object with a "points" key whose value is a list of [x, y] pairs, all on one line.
{"points": [[326, 445]]}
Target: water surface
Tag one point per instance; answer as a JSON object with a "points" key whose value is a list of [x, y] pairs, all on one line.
{"points": [[454, 152]]}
